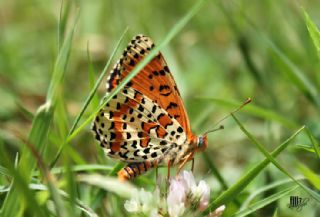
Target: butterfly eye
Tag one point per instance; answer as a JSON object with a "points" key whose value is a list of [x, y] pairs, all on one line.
{"points": [[201, 142]]}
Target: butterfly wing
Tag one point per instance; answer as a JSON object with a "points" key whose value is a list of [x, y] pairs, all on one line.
{"points": [[146, 120], [154, 81]]}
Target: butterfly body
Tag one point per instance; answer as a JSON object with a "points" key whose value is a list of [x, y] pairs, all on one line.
{"points": [[145, 124]]}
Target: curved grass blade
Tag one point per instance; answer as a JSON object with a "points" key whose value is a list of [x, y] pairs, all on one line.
{"points": [[275, 162], [245, 180], [78, 168], [262, 203], [12, 203], [40, 127], [173, 32], [297, 77], [79, 204], [314, 142], [254, 110], [313, 31], [277, 184], [89, 98], [310, 175], [123, 189]]}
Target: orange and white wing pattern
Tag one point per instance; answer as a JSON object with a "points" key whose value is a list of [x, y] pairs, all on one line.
{"points": [[145, 123]]}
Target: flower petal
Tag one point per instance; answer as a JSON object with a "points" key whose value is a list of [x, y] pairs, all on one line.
{"points": [[218, 212]]}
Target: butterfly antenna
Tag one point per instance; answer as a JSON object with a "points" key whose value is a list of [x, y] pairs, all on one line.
{"points": [[228, 115]]}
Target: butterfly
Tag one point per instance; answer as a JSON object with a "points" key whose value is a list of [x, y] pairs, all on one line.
{"points": [[145, 124]]}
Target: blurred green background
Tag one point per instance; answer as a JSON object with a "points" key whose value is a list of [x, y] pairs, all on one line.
{"points": [[229, 51]]}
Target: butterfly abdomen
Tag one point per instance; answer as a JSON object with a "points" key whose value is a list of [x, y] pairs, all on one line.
{"points": [[135, 169]]}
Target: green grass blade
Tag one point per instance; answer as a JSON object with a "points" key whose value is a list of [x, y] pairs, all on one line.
{"points": [[262, 203], [115, 169], [275, 185], [296, 76], [245, 180], [14, 200], [60, 66], [274, 162], [312, 177], [78, 168], [253, 110], [57, 200], [41, 125], [214, 170], [71, 187], [4, 171], [89, 98], [313, 31], [97, 84], [172, 33], [123, 189], [314, 142], [91, 72], [63, 18], [275, 214], [37, 136], [80, 204]]}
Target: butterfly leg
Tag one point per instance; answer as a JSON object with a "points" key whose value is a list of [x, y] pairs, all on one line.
{"points": [[157, 173], [187, 158], [192, 164], [169, 165]]}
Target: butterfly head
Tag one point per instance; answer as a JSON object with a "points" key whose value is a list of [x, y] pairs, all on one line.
{"points": [[202, 143]]}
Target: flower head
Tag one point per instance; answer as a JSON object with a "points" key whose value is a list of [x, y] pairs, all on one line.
{"points": [[143, 202], [184, 191], [184, 196]]}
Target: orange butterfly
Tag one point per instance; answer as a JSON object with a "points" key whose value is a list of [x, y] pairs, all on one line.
{"points": [[145, 124]]}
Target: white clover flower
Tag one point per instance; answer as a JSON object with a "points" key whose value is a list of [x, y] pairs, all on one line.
{"points": [[184, 196], [184, 192]]}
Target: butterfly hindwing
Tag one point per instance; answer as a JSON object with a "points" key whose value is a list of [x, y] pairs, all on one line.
{"points": [[132, 128]]}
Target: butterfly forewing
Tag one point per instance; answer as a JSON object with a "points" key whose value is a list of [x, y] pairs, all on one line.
{"points": [[154, 80]]}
